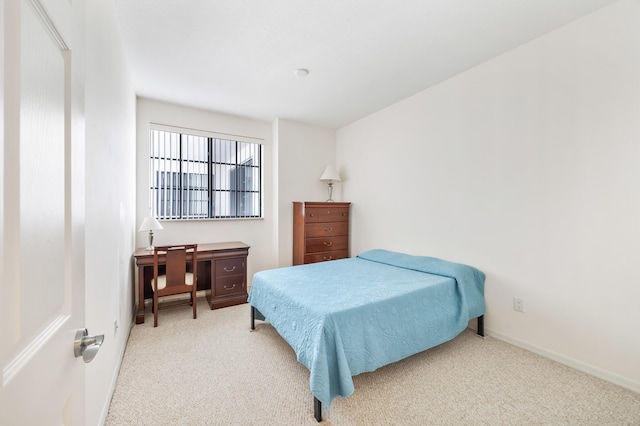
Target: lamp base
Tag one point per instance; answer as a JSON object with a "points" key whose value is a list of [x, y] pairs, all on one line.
{"points": [[150, 247], [330, 187]]}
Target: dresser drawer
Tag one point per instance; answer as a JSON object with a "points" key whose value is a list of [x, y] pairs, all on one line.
{"points": [[227, 267], [326, 256], [326, 229], [326, 214], [316, 245], [229, 285]]}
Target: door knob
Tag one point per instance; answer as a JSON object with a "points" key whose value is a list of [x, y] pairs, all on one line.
{"points": [[86, 346]]}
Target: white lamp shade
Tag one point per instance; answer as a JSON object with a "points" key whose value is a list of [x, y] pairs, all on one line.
{"points": [[150, 223], [330, 174]]}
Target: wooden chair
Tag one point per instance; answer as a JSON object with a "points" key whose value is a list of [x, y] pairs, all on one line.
{"points": [[176, 279]]}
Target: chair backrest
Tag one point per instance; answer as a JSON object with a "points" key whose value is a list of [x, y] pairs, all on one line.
{"points": [[176, 263]]}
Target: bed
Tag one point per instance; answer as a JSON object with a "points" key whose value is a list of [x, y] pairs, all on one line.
{"points": [[351, 316]]}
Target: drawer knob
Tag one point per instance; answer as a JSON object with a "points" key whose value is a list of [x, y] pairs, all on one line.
{"points": [[327, 258], [229, 270], [328, 243], [226, 287], [328, 229]]}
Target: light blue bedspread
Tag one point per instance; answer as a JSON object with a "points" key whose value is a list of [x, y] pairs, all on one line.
{"points": [[350, 316]]}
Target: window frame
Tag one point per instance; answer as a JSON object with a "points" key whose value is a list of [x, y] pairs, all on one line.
{"points": [[167, 201]]}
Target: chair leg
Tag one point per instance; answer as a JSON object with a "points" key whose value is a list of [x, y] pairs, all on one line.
{"points": [[193, 302], [155, 310]]}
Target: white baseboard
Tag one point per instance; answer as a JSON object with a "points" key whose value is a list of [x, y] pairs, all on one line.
{"points": [[116, 372], [570, 362]]}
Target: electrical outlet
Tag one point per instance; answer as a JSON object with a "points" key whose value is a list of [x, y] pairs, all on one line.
{"points": [[518, 304]]}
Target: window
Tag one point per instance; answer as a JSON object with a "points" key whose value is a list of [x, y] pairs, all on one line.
{"points": [[203, 175]]}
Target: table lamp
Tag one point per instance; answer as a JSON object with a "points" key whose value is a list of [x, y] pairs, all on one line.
{"points": [[330, 175], [150, 224]]}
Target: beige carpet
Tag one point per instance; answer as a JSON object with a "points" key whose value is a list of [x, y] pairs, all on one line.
{"points": [[214, 371]]}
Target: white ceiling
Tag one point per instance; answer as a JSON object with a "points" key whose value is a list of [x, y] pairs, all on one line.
{"points": [[239, 56]]}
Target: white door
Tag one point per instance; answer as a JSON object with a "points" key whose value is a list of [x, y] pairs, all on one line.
{"points": [[42, 227]]}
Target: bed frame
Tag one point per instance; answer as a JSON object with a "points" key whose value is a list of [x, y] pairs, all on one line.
{"points": [[317, 404]]}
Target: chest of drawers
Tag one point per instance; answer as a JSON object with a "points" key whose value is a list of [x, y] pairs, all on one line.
{"points": [[320, 231]]}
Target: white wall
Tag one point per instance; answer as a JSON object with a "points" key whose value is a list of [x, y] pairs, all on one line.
{"points": [[110, 202], [303, 152], [257, 233], [527, 168]]}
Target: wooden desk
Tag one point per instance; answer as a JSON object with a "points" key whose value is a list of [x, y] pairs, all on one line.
{"points": [[222, 272]]}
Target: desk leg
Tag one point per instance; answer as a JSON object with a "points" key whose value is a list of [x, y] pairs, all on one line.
{"points": [[140, 313]]}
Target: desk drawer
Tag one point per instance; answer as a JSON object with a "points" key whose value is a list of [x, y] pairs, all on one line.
{"points": [[228, 267], [230, 285]]}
